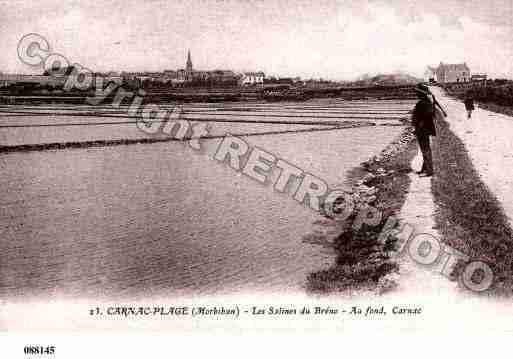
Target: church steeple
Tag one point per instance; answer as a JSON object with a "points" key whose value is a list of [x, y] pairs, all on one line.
{"points": [[188, 66]]}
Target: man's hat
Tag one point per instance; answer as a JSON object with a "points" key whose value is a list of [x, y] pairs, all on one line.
{"points": [[422, 89]]}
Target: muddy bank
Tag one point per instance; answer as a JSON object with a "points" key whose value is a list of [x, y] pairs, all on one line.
{"points": [[363, 260]]}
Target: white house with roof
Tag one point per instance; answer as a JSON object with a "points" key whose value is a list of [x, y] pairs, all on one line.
{"points": [[252, 78], [446, 73], [453, 73]]}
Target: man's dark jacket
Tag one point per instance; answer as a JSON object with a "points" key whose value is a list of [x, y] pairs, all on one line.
{"points": [[423, 117], [469, 103]]}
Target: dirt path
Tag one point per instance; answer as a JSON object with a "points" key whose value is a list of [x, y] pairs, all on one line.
{"points": [[418, 213], [426, 284], [487, 138], [448, 307]]}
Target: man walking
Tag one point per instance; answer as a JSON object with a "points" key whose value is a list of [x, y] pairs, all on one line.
{"points": [[424, 125], [469, 104]]}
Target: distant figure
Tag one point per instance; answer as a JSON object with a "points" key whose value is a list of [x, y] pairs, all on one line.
{"points": [[424, 124], [469, 104]]}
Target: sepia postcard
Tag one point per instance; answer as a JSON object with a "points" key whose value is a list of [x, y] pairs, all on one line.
{"points": [[253, 167]]}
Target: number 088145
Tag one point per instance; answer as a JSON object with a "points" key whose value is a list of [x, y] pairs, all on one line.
{"points": [[39, 350]]}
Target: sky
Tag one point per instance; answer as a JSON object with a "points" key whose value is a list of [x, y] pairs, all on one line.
{"points": [[338, 40]]}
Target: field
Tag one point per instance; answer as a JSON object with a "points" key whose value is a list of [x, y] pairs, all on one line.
{"points": [[84, 214], [36, 127], [43, 94]]}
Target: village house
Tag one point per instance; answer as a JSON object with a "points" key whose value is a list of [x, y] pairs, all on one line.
{"points": [[446, 73], [252, 78], [180, 77]]}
